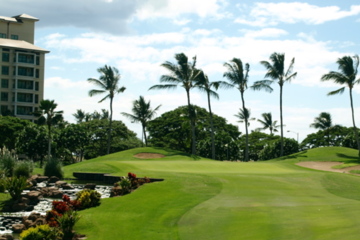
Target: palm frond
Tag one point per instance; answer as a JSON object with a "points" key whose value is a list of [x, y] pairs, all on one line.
{"points": [[164, 86], [339, 91], [262, 85]]}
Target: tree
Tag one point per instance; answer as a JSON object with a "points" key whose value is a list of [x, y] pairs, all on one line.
{"points": [[323, 122], [204, 85], [49, 117], [271, 151], [348, 68], [10, 128], [142, 113], [108, 83], [268, 123], [238, 76], [276, 72], [181, 73], [244, 116], [79, 115]]}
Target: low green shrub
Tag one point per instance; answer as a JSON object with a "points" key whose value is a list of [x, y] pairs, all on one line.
{"points": [[125, 185], [53, 167], [67, 222], [23, 169], [7, 161], [88, 198], [15, 186], [41, 232]]}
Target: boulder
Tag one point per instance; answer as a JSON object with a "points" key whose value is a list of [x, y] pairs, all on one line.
{"points": [[60, 184], [17, 207], [53, 179], [28, 223], [67, 187], [18, 228], [6, 237], [90, 186], [42, 179]]}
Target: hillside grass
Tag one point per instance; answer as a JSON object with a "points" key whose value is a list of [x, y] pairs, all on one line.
{"points": [[205, 199]]}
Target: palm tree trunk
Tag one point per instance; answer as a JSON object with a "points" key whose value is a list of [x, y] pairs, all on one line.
{"points": [[281, 125], [353, 120], [144, 133], [212, 129], [246, 130], [49, 142], [192, 123], [110, 126]]}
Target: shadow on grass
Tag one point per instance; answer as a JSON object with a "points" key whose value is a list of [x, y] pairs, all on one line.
{"points": [[351, 159], [293, 156], [171, 152]]}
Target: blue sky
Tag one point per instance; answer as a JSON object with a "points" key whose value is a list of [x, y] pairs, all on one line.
{"points": [[136, 36]]}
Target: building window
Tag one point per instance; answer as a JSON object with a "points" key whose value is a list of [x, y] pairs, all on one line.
{"points": [[24, 84], [36, 86], [4, 110], [36, 98], [28, 72], [15, 37], [5, 57], [37, 73], [2, 35], [37, 60], [26, 58], [4, 96], [4, 83], [23, 110], [25, 97], [4, 70]]}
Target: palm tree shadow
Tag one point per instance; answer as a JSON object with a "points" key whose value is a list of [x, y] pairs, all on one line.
{"points": [[295, 155], [351, 158]]}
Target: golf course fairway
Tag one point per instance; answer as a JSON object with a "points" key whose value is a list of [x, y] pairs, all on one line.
{"points": [[206, 199]]}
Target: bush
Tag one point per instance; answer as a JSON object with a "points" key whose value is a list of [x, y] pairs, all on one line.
{"points": [[125, 185], [7, 161], [53, 167], [15, 186], [272, 150], [88, 198], [67, 222], [23, 169], [40, 232]]}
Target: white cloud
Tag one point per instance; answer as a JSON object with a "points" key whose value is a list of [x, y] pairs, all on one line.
{"points": [[265, 33], [271, 14]]}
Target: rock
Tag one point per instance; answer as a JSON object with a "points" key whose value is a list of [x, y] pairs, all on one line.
{"points": [[33, 216], [40, 221], [28, 223], [53, 179], [34, 197], [17, 207], [6, 237], [116, 191], [18, 228], [51, 192], [90, 186], [60, 184], [67, 187], [42, 179]]}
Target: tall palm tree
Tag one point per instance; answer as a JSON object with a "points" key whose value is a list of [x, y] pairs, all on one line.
{"points": [[244, 115], [79, 115], [49, 117], [204, 85], [323, 122], [268, 123], [108, 83], [181, 73], [276, 72], [142, 113], [348, 68], [237, 76]]}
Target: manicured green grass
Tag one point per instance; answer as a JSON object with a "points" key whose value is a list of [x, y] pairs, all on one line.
{"points": [[205, 199], [345, 165]]}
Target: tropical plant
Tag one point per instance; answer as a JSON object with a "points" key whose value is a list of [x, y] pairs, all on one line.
{"points": [[15, 186], [108, 83], [244, 116], [53, 167], [238, 76], [88, 198], [23, 169], [181, 73], [203, 84], [7, 161], [276, 72], [79, 115], [323, 122], [49, 117], [67, 222], [40, 232], [268, 123], [348, 68], [142, 113]]}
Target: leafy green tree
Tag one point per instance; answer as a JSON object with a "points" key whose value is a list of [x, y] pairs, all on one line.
{"points": [[268, 123], [271, 150], [203, 84], [238, 76], [10, 128], [142, 113], [347, 75], [49, 117], [79, 115], [276, 72], [108, 83], [181, 73], [323, 122]]}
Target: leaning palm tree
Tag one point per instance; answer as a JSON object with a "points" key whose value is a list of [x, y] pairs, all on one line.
{"points": [[49, 117], [109, 85], [348, 68], [79, 115], [181, 73], [237, 76], [323, 122], [204, 85], [276, 72], [142, 113], [268, 123]]}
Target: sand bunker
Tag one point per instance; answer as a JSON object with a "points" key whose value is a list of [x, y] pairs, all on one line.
{"points": [[149, 155]]}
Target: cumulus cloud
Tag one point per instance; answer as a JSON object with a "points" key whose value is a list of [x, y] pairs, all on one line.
{"points": [[271, 14]]}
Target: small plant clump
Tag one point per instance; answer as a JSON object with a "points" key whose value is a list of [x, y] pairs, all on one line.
{"points": [[53, 167], [41, 232], [127, 184], [88, 198]]}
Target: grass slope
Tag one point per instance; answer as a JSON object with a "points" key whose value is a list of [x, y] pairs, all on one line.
{"points": [[205, 199]]}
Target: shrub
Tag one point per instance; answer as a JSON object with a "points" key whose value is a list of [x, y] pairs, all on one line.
{"points": [[23, 169], [67, 222], [88, 198], [272, 150], [53, 167], [7, 161], [15, 186], [125, 185], [40, 232]]}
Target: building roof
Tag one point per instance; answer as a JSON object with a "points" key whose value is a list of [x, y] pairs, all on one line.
{"points": [[10, 43], [18, 18], [26, 16]]}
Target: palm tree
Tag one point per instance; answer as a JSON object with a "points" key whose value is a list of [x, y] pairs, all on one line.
{"points": [[268, 123], [238, 76], [276, 72], [108, 84], [348, 68], [181, 73], [244, 116], [142, 113], [49, 117], [204, 85], [79, 115], [323, 122]]}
